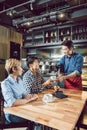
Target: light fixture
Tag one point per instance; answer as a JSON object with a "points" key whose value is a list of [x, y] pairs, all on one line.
{"points": [[10, 12], [31, 6], [63, 16], [28, 23]]}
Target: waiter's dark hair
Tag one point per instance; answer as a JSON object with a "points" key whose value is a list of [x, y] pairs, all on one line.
{"points": [[68, 43], [31, 59]]}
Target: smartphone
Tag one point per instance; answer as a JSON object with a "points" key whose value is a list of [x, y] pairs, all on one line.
{"points": [[60, 94]]}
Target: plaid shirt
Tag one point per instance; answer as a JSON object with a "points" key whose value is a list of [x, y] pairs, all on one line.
{"points": [[32, 82]]}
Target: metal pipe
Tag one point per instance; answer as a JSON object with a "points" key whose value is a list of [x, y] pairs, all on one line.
{"points": [[52, 13], [34, 1], [73, 7], [17, 6]]}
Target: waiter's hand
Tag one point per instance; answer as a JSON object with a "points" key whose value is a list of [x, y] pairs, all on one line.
{"points": [[60, 78]]}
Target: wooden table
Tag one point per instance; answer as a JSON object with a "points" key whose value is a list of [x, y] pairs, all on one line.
{"points": [[61, 114]]}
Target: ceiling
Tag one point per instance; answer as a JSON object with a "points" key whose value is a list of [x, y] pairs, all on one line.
{"points": [[26, 14]]}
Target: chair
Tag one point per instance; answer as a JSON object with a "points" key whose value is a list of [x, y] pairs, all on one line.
{"points": [[3, 124], [82, 122]]}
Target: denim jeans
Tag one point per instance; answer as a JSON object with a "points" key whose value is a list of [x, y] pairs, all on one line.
{"points": [[37, 126], [11, 118]]}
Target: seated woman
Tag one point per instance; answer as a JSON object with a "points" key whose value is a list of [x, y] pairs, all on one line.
{"points": [[13, 91]]}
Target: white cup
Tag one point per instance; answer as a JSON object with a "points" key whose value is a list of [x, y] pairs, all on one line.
{"points": [[47, 98], [53, 77]]}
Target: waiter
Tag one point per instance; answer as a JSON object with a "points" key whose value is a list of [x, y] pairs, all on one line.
{"points": [[72, 63]]}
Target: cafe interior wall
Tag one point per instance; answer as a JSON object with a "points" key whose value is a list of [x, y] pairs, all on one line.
{"points": [[7, 36], [53, 55]]}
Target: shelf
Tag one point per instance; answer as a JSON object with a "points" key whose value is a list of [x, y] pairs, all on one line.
{"points": [[38, 37], [28, 38], [82, 42], [64, 35], [42, 45], [76, 43], [55, 35], [85, 62]]}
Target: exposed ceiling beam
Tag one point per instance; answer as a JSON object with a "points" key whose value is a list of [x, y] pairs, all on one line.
{"points": [[19, 21], [2, 1], [30, 1]]}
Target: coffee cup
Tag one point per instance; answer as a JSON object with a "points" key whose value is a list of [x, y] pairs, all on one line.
{"points": [[47, 98], [53, 77]]}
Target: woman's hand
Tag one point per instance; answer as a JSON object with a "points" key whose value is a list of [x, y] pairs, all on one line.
{"points": [[31, 97], [28, 96], [34, 97]]}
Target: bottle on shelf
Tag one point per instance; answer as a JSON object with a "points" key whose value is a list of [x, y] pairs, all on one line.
{"points": [[51, 34], [46, 40], [68, 31], [54, 34], [61, 32], [46, 34]]}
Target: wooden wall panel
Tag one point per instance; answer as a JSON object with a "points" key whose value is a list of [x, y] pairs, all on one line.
{"points": [[4, 42], [7, 35], [4, 51], [2, 72], [4, 35], [15, 37]]}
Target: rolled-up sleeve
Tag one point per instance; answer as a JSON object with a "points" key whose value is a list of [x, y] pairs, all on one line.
{"points": [[79, 65], [72, 64]]}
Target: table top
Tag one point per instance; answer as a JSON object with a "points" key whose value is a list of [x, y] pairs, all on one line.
{"points": [[60, 114]]}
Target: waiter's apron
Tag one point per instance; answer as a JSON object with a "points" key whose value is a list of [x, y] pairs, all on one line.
{"points": [[74, 83]]}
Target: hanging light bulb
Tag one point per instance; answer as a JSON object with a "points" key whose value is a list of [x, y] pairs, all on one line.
{"points": [[28, 23], [61, 15]]}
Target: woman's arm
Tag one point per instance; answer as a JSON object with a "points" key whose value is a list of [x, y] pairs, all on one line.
{"points": [[27, 98]]}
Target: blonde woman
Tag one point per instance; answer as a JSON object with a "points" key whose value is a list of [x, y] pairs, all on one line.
{"points": [[12, 89]]}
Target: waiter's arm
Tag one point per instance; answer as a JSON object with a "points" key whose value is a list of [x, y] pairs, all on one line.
{"points": [[73, 74], [63, 77]]}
